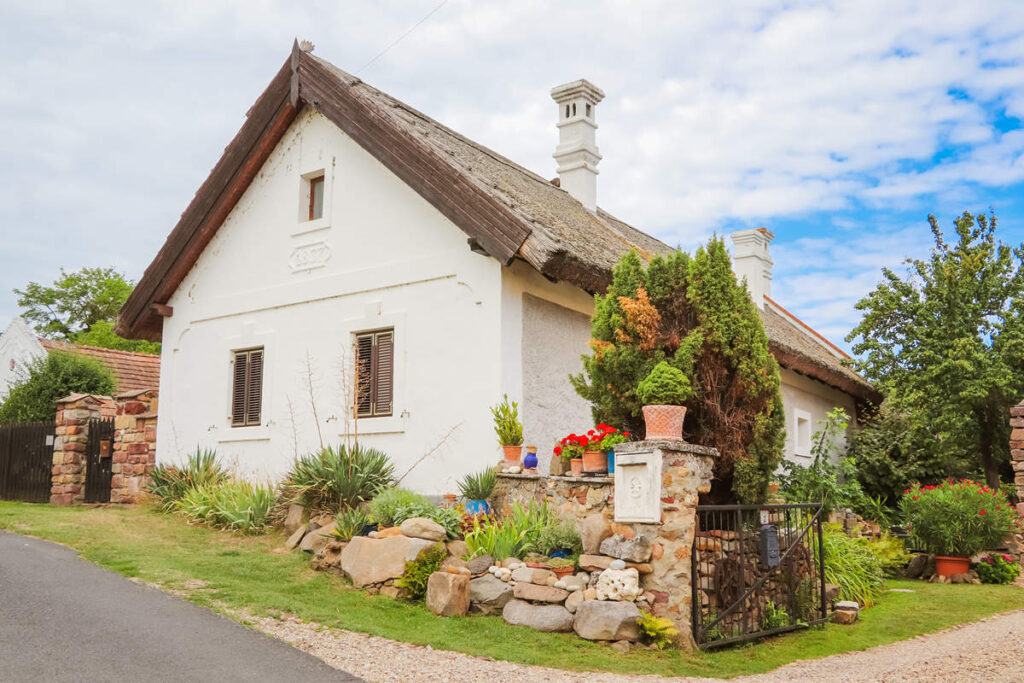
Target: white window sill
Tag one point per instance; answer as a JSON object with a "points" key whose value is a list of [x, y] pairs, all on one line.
{"points": [[261, 433], [306, 227], [394, 424]]}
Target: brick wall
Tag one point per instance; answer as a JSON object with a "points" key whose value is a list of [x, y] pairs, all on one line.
{"points": [[70, 436], [134, 444]]}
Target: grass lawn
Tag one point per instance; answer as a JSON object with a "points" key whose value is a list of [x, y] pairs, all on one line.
{"points": [[246, 572]]}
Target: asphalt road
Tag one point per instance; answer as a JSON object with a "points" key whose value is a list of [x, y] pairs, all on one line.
{"points": [[63, 619]]}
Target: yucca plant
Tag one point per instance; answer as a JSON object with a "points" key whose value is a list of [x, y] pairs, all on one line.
{"points": [[170, 483], [340, 478], [349, 523], [478, 486], [235, 505]]}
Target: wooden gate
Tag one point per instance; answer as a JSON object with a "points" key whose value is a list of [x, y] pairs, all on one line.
{"points": [[99, 450], [26, 461], [757, 570]]}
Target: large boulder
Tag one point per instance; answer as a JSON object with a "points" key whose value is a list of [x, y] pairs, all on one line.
{"points": [[480, 564], [593, 530], [318, 538], [637, 549], [421, 527], [488, 595], [538, 617], [293, 520], [604, 620], [917, 566], [538, 593], [373, 560], [457, 549], [448, 594]]}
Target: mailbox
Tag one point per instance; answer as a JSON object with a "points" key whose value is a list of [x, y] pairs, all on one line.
{"points": [[769, 545]]}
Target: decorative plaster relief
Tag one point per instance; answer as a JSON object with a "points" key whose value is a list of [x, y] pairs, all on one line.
{"points": [[638, 477], [309, 256]]}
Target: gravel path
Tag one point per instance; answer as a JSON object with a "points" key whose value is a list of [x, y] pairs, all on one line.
{"points": [[991, 650]]}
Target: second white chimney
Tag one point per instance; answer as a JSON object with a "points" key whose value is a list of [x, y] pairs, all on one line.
{"points": [[752, 259], [577, 154]]}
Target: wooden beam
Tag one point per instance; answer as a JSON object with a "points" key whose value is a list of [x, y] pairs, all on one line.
{"points": [[162, 310]]}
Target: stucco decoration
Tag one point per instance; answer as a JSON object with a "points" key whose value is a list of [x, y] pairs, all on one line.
{"points": [[638, 483], [309, 256]]}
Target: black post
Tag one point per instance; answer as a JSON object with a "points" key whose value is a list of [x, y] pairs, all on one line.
{"points": [[743, 566], [821, 562]]}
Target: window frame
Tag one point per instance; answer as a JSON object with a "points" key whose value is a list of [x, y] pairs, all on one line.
{"points": [[312, 184], [247, 388], [802, 443], [374, 380]]}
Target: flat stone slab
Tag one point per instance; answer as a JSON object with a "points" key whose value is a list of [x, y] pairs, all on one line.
{"points": [[372, 560], [550, 618]]}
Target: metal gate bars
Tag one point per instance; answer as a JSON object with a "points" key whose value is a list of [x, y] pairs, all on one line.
{"points": [[757, 570]]}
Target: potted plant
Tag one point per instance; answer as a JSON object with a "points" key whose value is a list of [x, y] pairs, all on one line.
{"points": [[570, 450], [535, 560], [476, 489], [561, 566], [610, 437], [509, 430], [663, 392], [956, 519], [559, 539]]}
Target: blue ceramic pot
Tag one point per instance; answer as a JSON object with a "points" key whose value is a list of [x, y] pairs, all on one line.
{"points": [[559, 553], [611, 462], [530, 461], [477, 507]]}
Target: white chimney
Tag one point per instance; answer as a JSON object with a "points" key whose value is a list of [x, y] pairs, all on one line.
{"points": [[752, 259], [577, 154]]}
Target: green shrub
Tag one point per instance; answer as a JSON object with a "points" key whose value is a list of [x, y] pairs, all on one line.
{"points": [[51, 378], [659, 631], [891, 553], [997, 569], [513, 536], [170, 483], [559, 536], [559, 563], [235, 505], [413, 580], [773, 616], [478, 486], [393, 506], [506, 423], [957, 518], [851, 565], [340, 478], [664, 385], [349, 523]]}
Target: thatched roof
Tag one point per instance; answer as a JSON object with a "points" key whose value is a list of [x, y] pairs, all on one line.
{"points": [[506, 210]]}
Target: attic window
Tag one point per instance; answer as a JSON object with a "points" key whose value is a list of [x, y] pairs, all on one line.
{"points": [[588, 108], [567, 111], [316, 197], [802, 442], [574, 109]]}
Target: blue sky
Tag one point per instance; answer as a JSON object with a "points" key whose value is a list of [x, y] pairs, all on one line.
{"points": [[839, 126]]}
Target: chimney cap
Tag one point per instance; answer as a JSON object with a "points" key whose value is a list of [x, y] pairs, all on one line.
{"points": [[577, 88]]}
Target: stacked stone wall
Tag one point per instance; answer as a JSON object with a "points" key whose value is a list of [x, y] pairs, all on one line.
{"points": [[67, 485], [134, 445]]}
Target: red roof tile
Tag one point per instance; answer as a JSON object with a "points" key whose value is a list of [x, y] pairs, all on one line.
{"points": [[132, 371]]}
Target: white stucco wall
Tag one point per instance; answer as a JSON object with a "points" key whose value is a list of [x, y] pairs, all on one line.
{"points": [[380, 257], [18, 349], [808, 399]]}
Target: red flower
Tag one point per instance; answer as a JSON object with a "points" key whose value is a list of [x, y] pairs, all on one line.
{"points": [[906, 490], [982, 512], [558, 450], [626, 434]]}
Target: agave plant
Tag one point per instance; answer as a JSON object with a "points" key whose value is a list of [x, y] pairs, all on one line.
{"points": [[340, 478], [235, 505], [170, 483], [478, 486], [349, 523]]}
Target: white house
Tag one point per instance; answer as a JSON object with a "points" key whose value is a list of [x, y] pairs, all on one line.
{"points": [[340, 218], [20, 347]]}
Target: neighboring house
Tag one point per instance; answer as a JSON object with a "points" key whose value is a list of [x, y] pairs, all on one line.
{"points": [[340, 219], [20, 347]]}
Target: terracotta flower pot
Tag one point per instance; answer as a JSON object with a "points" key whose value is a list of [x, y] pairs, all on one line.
{"points": [[948, 566], [576, 466], [562, 571], [664, 423], [512, 454], [595, 462]]}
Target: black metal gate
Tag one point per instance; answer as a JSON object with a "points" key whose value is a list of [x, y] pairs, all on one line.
{"points": [[26, 461], [98, 460], [758, 570]]}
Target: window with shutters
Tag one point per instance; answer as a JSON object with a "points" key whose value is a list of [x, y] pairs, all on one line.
{"points": [[247, 388], [375, 373]]}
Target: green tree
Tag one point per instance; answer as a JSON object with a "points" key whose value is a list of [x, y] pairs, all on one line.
{"points": [[50, 379], [81, 307], [945, 344], [691, 313]]}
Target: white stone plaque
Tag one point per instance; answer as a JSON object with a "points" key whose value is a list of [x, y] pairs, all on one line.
{"points": [[638, 487]]}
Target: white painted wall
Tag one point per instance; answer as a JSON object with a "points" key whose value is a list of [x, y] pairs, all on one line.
{"points": [[19, 347], [808, 399], [380, 257]]}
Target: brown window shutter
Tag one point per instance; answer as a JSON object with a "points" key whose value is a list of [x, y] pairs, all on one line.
{"points": [[383, 380], [364, 375], [254, 388], [238, 389]]}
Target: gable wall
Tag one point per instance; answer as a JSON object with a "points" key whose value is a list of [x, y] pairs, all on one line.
{"points": [[381, 257], [18, 344]]}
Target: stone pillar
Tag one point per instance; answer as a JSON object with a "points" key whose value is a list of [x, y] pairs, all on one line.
{"points": [[134, 444], [71, 434], [1017, 449], [685, 471]]}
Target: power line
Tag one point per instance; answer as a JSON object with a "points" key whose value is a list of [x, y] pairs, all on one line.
{"points": [[401, 37]]}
